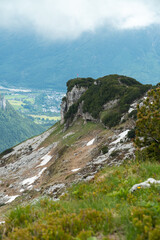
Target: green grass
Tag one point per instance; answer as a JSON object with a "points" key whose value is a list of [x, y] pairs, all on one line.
{"points": [[31, 100], [104, 208], [45, 117], [79, 129], [16, 104], [16, 96]]}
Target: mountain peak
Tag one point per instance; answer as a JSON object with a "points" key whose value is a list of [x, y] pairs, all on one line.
{"points": [[104, 100]]}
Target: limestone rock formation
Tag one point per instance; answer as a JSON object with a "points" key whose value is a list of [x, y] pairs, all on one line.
{"points": [[2, 103], [71, 98], [105, 100]]}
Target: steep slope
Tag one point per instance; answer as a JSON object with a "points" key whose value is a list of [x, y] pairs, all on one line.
{"points": [[50, 163], [14, 128], [101, 209]]}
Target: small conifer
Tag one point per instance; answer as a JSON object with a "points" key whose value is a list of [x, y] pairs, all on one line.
{"points": [[148, 124]]}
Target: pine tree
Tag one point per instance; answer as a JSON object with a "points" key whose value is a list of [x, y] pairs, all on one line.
{"points": [[148, 124]]}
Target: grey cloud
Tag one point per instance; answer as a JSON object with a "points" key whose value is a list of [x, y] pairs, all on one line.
{"points": [[58, 19]]}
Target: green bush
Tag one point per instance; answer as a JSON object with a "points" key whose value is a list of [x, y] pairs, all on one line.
{"points": [[7, 151], [148, 124], [71, 112], [146, 223], [131, 133], [115, 153], [81, 82], [111, 118], [104, 149]]}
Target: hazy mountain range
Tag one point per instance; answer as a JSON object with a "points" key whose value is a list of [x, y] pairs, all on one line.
{"points": [[30, 62]]}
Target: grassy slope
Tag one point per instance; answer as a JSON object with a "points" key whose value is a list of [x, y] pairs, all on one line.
{"points": [[101, 209], [79, 129]]}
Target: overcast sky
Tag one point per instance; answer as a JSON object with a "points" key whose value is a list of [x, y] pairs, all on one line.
{"points": [[60, 19]]}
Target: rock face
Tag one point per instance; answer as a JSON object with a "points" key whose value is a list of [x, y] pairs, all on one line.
{"points": [[85, 116], [2, 103], [71, 98], [111, 104]]}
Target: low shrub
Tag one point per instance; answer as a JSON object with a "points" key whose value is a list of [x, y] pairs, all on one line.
{"points": [[104, 149], [133, 114], [7, 151], [131, 134], [115, 153], [111, 118]]}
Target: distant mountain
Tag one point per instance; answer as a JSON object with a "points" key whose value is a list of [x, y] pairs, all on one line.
{"points": [[26, 61], [14, 128]]}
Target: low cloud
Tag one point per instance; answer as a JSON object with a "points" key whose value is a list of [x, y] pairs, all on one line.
{"points": [[60, 19]]}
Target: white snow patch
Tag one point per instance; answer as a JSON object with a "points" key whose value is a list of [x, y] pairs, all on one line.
{"points": [[45, 159], [121, 136], [30, 187], [31, 180], [75, 170], [130, 110], [100, 160], [126, 146], [68, 134], [55, 188], [145, 184], [21, 190], [2, 222], [88, 178], [111, 150], [134, 105], [90, 142], [11, 198]]}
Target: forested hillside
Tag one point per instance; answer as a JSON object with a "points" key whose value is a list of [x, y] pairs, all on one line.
{"points": [[14, 128]]}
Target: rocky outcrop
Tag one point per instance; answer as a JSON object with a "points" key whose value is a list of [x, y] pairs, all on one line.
{"points": [[86, 116], [2, 103], [111, 104], [71, 98], [63, 110], [106, 99]]}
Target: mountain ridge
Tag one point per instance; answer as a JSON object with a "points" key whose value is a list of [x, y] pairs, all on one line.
{"points": [[103, 100], [51, 162]]}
